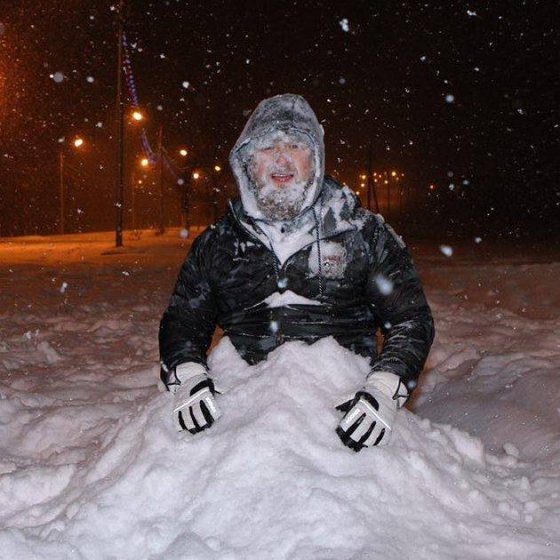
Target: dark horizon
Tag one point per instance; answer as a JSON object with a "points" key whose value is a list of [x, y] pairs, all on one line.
{"points": [[463, 98]]}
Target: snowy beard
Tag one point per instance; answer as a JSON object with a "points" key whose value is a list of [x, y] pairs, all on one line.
{"points": [[280, 204]]}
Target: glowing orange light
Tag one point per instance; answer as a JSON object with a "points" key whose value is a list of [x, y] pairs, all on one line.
{"points": [[137, 116], [183, 152], [144, 162], [196, 175], [217, 168], [78, 142]]}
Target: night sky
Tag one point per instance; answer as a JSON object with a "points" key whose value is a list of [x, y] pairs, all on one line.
{"points": [[459, 95]]}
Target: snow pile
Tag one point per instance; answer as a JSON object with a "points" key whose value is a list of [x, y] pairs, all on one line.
{"points": [[91, 466]]}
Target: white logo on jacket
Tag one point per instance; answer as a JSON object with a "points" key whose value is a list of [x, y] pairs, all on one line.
{"points": [[333, 259]]}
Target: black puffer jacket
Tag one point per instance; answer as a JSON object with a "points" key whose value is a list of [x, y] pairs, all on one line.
{"points": [[356, 272]]}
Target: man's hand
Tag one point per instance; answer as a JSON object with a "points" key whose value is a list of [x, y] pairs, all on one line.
{"points": [[371, 413], [195, 408]]}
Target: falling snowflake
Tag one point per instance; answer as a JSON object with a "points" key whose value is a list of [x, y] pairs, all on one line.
{"points": [[184, 233], [63, 287], [344, 25], [57, 77], [90, 79], [450, 98], [446, 250], [186, 84], [384, 285]]}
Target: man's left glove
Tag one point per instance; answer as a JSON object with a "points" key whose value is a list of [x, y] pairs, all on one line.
{"points": [[194, 408], [371, 413]]}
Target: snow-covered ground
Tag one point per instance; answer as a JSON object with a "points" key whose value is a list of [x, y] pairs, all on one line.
{"points": [[91, 468]]}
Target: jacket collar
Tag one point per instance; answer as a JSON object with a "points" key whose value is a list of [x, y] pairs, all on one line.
{"points": [[335, 210]]}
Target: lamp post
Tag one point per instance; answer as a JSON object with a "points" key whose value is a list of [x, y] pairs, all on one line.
{"points": [[184, 184], [217, 171], [195, 176], [144, 163], [61, 193], [133, 198], [119, 110], [78, 143], [369, 180], [161, 184], [388, 206], [392, 176], [369, 172]]}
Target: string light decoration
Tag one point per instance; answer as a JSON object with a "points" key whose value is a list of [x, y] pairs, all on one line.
{"points": [[153, 156]]}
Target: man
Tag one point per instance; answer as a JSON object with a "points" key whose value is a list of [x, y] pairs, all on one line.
{"points": [[296, 258]]}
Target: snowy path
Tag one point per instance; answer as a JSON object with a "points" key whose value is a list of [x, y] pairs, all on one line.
{"points": [[91, 468]]}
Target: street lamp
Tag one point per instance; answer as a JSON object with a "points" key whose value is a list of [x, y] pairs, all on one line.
{"points": [[137, 116], [144, 163], [216, 189], [77, 143]]}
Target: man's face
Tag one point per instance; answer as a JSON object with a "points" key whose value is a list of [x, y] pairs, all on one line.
{"points": [[282, 169]]}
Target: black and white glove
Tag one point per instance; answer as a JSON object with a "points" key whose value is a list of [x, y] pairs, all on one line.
{"points": [[194, 407], [370, 414]]}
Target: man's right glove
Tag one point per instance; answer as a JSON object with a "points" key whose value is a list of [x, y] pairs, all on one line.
{"points": [[194, 408], [371, 413]]}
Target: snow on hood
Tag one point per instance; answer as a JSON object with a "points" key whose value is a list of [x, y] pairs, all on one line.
{"points": [[288, 113]]}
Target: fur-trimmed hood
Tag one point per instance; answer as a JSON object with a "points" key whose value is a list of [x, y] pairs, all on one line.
{"points": [[288, 113]]}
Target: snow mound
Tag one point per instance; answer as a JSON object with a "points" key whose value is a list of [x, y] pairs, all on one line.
{"points": [[105, 475]]}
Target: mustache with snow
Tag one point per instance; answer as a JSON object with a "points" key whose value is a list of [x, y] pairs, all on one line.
{"points": [[279, 189]]}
